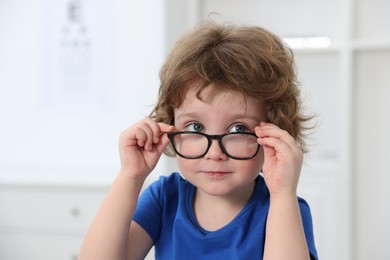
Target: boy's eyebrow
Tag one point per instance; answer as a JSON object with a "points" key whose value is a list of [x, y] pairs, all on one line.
{"points": [[251, 117]]}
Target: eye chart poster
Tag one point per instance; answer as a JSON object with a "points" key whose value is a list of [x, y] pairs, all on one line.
{"points": [[77, 55]]}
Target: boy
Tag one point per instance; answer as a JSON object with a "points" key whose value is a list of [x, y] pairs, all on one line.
{"points": [[228, 109]]}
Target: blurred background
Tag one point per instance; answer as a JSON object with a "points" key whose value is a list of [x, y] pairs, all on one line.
{"points": [[75, 73]]}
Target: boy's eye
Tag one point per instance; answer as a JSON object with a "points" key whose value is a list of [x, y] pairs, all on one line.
{"points": [[195, 127], [238, 129]]}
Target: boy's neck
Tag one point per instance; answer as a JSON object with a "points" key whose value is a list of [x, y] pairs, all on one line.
{"points": [[214, 212]]}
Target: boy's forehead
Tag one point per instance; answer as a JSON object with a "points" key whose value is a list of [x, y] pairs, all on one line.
{"points": [[214, 91], [208, 94], [219, 97]]}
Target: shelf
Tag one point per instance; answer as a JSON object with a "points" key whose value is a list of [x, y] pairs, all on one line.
{"points": [[359, 45], [371, 45], [329, 50]]}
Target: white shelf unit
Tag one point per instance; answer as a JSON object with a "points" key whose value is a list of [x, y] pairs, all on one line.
{"points": [[345, 177], [335, 82], [371, 84]]}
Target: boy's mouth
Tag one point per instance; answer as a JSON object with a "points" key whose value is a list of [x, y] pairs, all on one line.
{"points": [[216, 174]]}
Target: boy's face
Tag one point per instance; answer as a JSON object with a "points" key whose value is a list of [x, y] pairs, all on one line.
{"points": [[217, 113]]}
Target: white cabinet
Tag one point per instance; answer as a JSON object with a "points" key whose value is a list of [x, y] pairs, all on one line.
{"points": [[38, 246], [45, 222]]}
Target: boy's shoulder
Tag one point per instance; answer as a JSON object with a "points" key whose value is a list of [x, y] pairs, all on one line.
{"points": [[173, 179], [168, 185]]}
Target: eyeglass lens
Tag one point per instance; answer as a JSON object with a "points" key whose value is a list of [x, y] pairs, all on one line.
{"points": [[195, 145]]}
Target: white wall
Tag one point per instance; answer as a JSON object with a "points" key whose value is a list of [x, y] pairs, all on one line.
{"points": [[58, 146], [46, 138]]}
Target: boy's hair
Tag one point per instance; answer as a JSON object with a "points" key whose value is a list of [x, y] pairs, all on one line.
{"points": [[247, 59]]}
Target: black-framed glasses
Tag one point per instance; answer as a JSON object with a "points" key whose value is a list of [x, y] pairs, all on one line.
{"points": [[195, 145]]}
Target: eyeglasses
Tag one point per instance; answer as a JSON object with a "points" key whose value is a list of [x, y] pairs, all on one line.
{"points": [[195, 145]]}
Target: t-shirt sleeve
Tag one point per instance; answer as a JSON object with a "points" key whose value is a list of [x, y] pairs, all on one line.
{"points": [[149, 210], [308, 227]]}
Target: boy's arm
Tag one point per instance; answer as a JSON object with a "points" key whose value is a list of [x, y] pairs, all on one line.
{"points": [[139, 242], [111, 233], [107, 237], [285, 236]]}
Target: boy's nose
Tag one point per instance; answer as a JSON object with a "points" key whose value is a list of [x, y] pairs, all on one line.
{"points": [[215, 152]]}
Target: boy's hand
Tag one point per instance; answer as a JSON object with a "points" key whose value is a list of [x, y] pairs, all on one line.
{"points": [[282, 159], [141, 145]]}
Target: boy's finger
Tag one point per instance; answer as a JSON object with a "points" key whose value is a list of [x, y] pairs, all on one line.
{"points": [[165, 128]]}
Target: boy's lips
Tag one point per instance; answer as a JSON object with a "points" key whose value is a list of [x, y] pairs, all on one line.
{"points": [[216, 174]]}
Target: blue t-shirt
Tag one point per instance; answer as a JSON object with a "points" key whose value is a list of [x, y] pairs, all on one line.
{"points": [[165, 211]]}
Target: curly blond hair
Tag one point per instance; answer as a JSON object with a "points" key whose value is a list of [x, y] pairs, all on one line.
{"points": [[247, 59]]}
